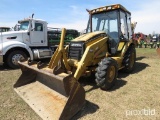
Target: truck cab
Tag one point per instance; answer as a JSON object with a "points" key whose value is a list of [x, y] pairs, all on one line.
{"points": [[32, 39], [34, 32], [21, 44]]}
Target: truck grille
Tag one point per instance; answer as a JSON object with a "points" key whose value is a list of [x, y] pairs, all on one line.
{"points": [[76, 50]]}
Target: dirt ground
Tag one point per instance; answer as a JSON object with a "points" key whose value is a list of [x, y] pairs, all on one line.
{"points": [[135, 96]]}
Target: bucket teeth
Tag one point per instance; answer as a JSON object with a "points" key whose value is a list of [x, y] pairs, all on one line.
{"points": [[31, 62], [41, 65]]}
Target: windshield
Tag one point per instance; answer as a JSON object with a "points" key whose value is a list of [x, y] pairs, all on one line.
{"points": [[24, 25], [106, 21]]}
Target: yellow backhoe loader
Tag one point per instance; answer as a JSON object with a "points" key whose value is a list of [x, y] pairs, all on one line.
{"points": [[53, 90]]}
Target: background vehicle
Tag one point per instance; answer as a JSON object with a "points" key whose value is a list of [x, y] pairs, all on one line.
{"points": [[52, 89], [155, 38], [33, 39], [137, 35], [5, 29], [139, 39]]}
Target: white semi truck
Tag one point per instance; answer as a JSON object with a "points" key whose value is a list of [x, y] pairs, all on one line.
{"points": [[33, 39], [5, 29]]}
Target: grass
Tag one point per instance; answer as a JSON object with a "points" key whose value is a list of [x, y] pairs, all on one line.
{"points": [[145, 51], [132, 92]]}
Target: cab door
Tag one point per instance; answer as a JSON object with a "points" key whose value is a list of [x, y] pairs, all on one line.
{"points": [[37, 34]]}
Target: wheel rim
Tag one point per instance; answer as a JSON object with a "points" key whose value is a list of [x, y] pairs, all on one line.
{"points": [[112, 72], [132, 60], [16, 58]]}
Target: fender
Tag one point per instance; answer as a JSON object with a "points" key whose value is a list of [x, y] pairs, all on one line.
{"points": [[7, 45]]}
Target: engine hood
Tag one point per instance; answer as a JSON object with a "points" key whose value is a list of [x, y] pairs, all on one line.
{"points": [[90, 36], [12, 35]]}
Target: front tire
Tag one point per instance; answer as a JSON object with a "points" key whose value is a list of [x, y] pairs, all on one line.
{"points": [[14, 57], [129, 59], [106, 74]]}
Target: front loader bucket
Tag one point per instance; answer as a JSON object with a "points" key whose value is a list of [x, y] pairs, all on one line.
{"points": [[52, 97]]}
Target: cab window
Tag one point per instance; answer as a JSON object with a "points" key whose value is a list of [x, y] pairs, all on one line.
{"points": [[38, 27], [129, 26], [123, 25]]}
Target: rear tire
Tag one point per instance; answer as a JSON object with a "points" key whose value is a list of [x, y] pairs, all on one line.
{"points": [[14, 57], [106, 74], [129, 59]]}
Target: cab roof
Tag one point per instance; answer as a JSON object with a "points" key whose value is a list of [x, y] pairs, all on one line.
{"points": [[108, 8], [28, 19]]}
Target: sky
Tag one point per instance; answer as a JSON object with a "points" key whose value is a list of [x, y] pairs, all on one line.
{"points": [[72, 13]]}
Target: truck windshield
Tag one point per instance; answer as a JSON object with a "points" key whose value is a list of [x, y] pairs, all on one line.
{"points": [[24, 25], [106, 21]]}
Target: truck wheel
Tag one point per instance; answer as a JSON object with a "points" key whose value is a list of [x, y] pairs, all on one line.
{"points": [[129, 59], [106, 74], [14, 57]]}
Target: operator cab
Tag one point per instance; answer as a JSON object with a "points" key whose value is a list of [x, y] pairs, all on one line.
{"points": [[114, 21]]}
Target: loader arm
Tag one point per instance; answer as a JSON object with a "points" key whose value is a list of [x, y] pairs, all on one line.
{"points": [[59, 54], [89, 56]]}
